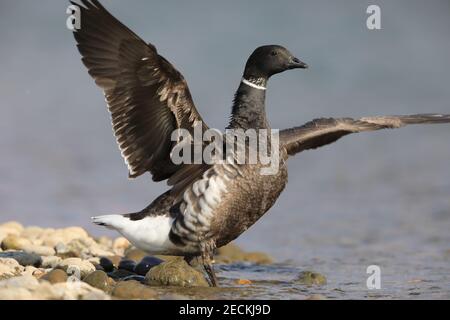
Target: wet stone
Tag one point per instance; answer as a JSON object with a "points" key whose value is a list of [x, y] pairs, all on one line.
{"points": [[127, 264], [146, 264], [23, 258], [175, 273], [106, 264], [135, 277], [310, 278], [120, 274], [98, 266], [98, 279], [231, 253], [133, 290]]}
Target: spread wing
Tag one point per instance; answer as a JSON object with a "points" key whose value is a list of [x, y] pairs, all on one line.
{"points": [[320, 132], [147, 97]]}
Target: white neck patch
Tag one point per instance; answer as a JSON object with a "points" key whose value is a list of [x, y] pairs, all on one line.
{"points": [[253, 85]]}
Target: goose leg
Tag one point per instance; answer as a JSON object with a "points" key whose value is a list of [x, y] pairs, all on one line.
{"points": [[207, 265], [207, 260], [189, 259]]}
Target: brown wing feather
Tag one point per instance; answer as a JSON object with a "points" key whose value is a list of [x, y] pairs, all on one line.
{"points": [[320, 132], [147, 97]]}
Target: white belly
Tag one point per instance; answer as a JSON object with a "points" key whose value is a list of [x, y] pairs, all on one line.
{"points": [[150, 234]]}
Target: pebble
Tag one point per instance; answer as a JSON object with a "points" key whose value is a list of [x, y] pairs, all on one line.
{"points": [[55, 276], [33, 233], [15, 294], [50, 261], [99, 279], [14, 242], [133, 290], [9, 267], [120, 244], [65, 235], [29, 288], [146, 264], [76, 267], [134, 277], [9, 228], [120, 274], [84, 248], [135, 254], [127, 264], [46, 263], [23, 258], [94, 260], [243, 282], [175, 273], [76, 291], [232, 253], [115, 260], [35, 272], [98, 267], [106, 264], [39, 250], [105, 242], [310, 278], [12, 227]]}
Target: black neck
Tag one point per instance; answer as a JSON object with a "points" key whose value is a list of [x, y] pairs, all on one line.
{"points": [[249, 110]]}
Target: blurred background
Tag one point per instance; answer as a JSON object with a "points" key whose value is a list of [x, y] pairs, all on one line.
{"points": [[373, 198]]}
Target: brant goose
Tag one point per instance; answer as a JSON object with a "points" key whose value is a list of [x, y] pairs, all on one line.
{"points": [[208, 205]]}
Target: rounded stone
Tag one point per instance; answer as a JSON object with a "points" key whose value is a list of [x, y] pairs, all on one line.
{"points": [[258, 258], [135, 254], [310, 278], [98, 267], [127, 264], [77, 267], [115, 260], [50, 261], [133, 290], [9, 267], [55, 276], [106, 264], [232, 253], [39, 250], [12, 225], [13, 242], [146, 264], [121, 274], [98, 279], [65, 235], [23, 258], [120, 245], [105, 241], [32, 233], [175, 273]]}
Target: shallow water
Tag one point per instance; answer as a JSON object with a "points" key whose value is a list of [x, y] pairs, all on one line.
{"points": [[372, 199], [278, 281]]}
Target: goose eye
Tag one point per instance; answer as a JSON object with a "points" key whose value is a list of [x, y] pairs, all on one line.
{"points": [[274, 53]]}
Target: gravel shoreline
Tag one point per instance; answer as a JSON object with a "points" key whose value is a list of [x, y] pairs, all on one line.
{"points": [[45, 263]]}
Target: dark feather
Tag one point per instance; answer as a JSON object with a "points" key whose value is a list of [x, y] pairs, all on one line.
{"points": [[147, 97], [320, 132]]}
